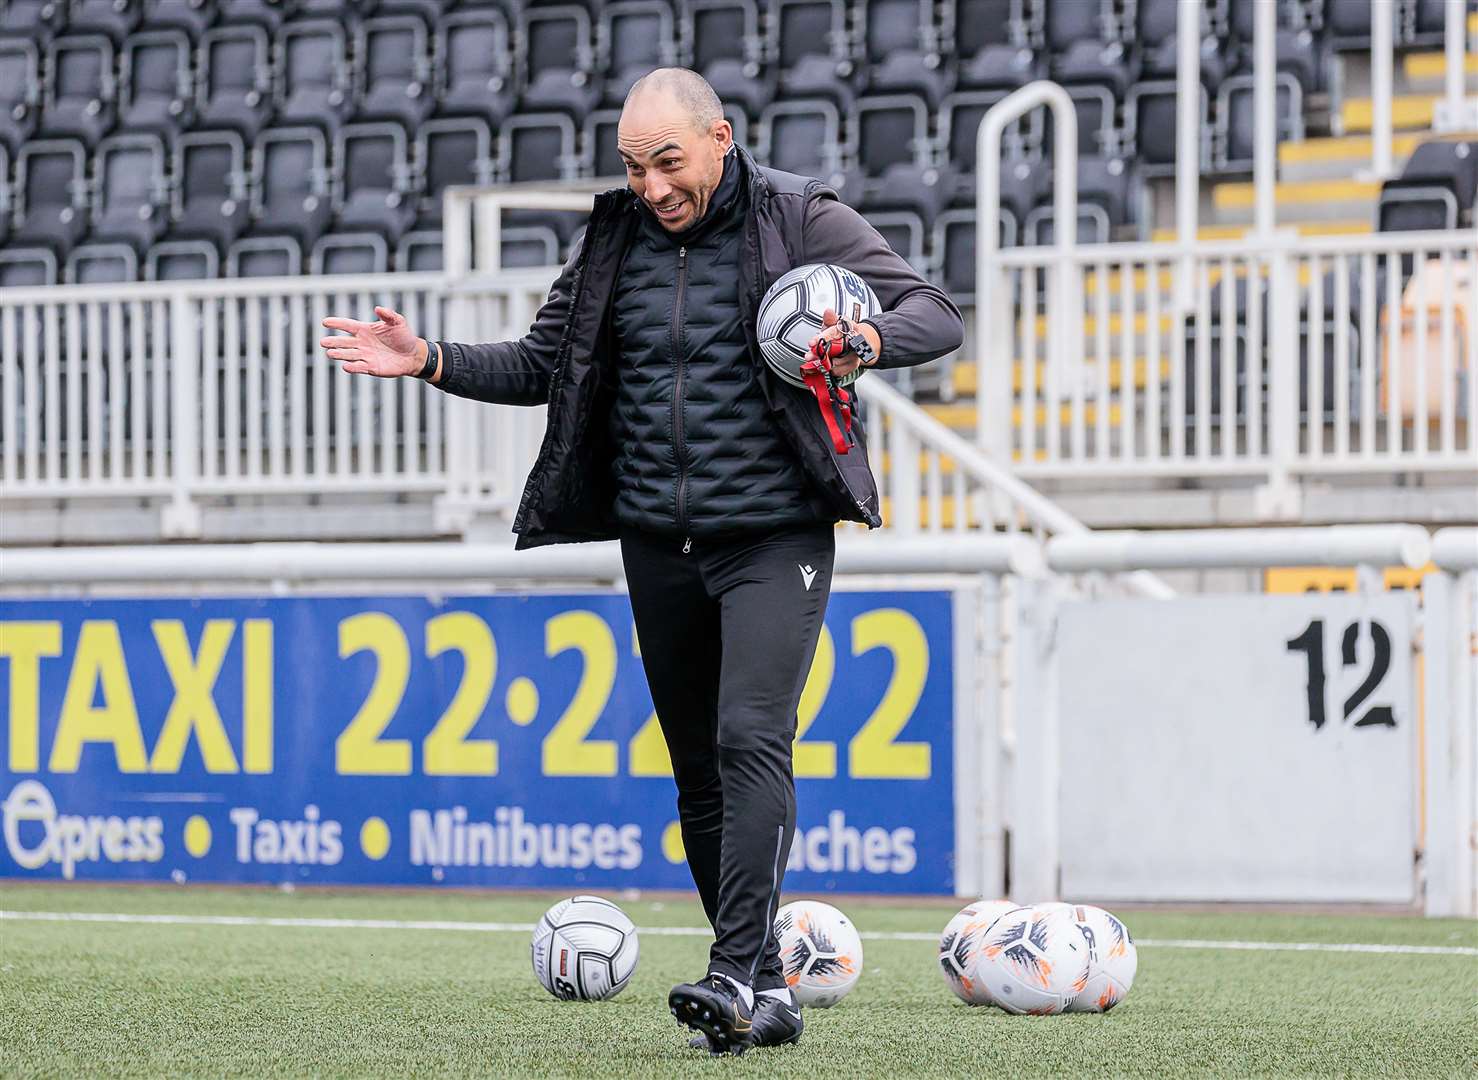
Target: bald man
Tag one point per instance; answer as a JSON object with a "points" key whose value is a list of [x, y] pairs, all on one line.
{"points": [[667, 430]]}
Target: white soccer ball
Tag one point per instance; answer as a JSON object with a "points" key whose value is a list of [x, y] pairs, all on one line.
{"points": [[958, 944], [790, 314], [584, 949], [1033, 961], [1112, 959], [820, 952]]}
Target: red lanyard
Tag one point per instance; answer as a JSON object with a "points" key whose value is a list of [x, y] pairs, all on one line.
{"points": [[829, 396]]}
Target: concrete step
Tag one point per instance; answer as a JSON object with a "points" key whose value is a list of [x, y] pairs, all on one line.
{"points": [[1428, 70], [1408, 112], [962, 417], [1338, 157], [1353, 227], [1299, 200]]}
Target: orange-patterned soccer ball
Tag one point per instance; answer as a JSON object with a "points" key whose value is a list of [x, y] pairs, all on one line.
{"points": [[1112, 959], [959, 943], [820, 952], [1033, 961]]}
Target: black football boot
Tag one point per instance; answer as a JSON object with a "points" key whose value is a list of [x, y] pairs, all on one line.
{"points": [[714, 1009]]}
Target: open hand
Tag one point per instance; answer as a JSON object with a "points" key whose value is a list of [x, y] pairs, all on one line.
{"points": [[385, 347]]}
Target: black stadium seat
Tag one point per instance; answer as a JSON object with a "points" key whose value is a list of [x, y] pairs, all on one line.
{"points": [[598, 137], [194, 17], [51, 194], [475, 76], [373, 194], [1435, 190], [234, 83], [20, 90], [111, 18], [37, 20], [290, 184], [268, 14], [349, 253], [265, 256], [100, 264], [24, 267], [449, 152], [901, 45], [394, 70], [1234, 131], [313, 83], [1079, 21], [537, 146], [634, 37], [721, 40], [156, 90], [904, 232], [559, 60], [80, 91], [210, 197], [811, 49], [802, 137], [182, 260], [130, 191]]}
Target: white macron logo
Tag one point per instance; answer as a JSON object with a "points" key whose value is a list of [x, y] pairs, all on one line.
{"points": [[807, 575]]}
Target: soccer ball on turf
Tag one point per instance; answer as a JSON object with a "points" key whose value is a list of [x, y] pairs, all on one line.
{"points": [[584, 949], [790, 314], [958, 944], [1112, 959], [820, 952], [1033, 961]]}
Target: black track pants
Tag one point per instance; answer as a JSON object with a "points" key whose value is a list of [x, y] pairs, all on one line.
{"points": [[727, 632]]}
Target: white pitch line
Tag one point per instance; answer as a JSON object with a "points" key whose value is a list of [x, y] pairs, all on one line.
{"points": [[676, 931]]}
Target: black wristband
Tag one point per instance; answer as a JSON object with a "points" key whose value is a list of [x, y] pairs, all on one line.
{"points": [[433, 360]]}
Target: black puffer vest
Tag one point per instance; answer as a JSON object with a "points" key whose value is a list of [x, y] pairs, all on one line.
{"points": [[697, 451]]}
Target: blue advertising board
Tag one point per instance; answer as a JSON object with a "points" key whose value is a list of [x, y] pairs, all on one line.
{"points": [[480, 740]]}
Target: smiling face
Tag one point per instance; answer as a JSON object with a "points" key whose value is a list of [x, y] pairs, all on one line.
{"points": [[670, 164]]}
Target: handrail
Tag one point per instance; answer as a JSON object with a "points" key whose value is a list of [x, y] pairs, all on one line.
{"points": [[994, 359], [1040, 510], [1337, 545]]}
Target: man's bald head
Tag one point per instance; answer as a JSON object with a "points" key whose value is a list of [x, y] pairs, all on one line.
{"points": [[672, 138], [682, 89]]}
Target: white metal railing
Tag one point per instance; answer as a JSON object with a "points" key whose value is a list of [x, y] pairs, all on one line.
{"points": [[1293, 356]]}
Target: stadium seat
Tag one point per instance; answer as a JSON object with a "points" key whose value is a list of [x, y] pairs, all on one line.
{"points": [[598, 142], [100, 264], [349, 253], [1105, 189], [1149, 127], [896, 156], [114, 19], [51, 194], [80, 93], [902, 48], [313, 83], [1155, 22], [20, 90], [182, 260], [954, 250], [156, 91], [959, 124], [448, 152], [721, 40], [634, 36], [1435, 190], [373, 193], [476, 68], [130, 191], [393, 74], [268, 14], [235, 80], [904, 232], [812, 51], [558, 60], [972, 25], [529, 245], [419, 251], [24, 267], [194, 17], [537, 146], [36, 20], [210, 198], [290, 184], [802, 137], [1068, 25], [1347, 23], [1233, 133], [264, 256], [1096, 77], [1425, 22]]}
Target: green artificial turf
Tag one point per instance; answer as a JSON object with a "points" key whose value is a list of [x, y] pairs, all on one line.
{"points": [[102, 999]]}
